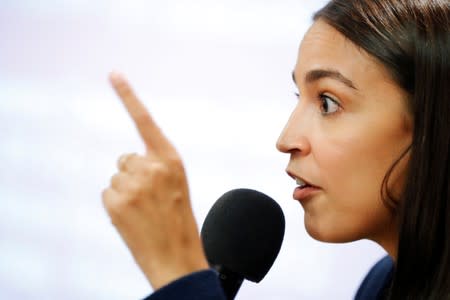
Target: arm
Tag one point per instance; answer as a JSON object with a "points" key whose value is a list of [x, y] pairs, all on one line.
{"points": [[148, 202], [203, 285]]}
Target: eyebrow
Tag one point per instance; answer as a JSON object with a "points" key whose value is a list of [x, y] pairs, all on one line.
{"points": [[317, 74]]}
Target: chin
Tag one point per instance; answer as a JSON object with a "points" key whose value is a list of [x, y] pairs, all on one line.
{"points": [[329, 233]]}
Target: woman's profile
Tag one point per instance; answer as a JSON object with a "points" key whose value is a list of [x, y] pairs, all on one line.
{"points": [[368, 145]]}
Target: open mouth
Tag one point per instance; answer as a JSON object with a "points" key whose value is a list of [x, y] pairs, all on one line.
{"points": [[304, 190], [302, 183]]}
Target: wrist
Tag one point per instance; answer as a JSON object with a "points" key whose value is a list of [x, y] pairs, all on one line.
{"points": [[161, 272], [164, 275]]}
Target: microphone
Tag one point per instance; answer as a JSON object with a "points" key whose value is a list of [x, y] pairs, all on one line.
{"points": [[242, 235]]}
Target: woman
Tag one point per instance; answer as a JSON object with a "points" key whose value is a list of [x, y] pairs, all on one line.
{"points": [[368, 144]]}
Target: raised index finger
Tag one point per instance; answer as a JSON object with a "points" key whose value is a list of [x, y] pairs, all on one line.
{"points": [[150, 133]]}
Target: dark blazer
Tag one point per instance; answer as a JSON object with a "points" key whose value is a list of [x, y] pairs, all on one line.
{"points": [[377, 281], [205, 285]]}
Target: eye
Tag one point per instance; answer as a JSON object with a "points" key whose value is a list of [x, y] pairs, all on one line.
{"points": [[328, 105]]}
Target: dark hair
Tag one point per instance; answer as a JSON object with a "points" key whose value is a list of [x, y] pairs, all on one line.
{"points": [[411, 38]]}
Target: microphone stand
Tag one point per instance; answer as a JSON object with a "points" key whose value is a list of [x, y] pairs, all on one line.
{"points": [[230, 281]]}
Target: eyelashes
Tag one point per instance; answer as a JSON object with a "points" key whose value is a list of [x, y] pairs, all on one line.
{"points": [[327, 104]]}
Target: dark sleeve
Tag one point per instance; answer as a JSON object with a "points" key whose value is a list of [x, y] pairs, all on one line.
{"points": [[377, 281], [203, 285]]}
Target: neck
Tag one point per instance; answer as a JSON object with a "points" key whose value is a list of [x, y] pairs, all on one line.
{"points": [[391, 249], [388, 240]]}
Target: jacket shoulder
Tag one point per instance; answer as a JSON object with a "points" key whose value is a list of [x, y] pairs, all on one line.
{"points": [[376, 281]]}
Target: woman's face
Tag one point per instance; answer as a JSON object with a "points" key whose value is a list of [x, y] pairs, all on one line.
{"points": [[351, 123]]}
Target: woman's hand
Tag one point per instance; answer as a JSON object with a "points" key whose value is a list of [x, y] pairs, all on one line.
{"points": [[148, 201]]}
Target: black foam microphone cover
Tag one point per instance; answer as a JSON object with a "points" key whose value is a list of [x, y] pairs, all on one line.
{"points": [[242, 236]]}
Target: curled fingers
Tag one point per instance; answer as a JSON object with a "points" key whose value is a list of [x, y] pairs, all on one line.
{"points": [[124, 163]]}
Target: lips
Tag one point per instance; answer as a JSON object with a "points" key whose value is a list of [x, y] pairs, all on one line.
{"points": [[301, 182], [304, 193], [304, 190]]}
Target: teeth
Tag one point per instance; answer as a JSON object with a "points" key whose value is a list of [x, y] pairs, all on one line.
{"points": [[300, 182]]}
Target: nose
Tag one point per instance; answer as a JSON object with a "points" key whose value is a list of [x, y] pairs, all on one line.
{"points": [[294, 137]]}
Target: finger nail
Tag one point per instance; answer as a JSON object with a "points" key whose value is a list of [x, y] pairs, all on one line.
{"points": [[115, 77]]}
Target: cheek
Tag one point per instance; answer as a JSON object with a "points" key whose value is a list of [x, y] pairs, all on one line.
{"points": [[350, 207], [348, 164], [351, 167], [353, 171], [356, 154]]}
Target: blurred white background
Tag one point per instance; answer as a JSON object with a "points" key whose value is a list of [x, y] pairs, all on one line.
{"points": [[216, 75]]}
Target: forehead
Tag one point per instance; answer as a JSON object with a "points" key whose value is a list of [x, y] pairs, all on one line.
{"points": [[323, 47]]}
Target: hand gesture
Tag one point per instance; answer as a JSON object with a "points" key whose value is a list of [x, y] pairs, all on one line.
{"points": [[148, 201]]}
